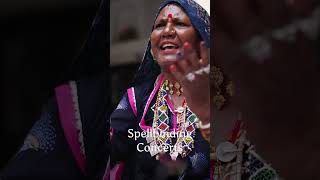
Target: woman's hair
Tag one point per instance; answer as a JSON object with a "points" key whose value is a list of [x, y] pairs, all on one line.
{"points": [[149, 69]]}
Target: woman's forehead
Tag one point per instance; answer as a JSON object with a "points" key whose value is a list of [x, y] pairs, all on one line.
{"points": [[173, 9]]}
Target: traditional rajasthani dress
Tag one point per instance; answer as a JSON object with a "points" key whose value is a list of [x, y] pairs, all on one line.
{"points": [[71, 138], [136, 111], [147, 108]]}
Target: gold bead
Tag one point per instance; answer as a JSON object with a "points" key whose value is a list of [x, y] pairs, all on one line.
{"points": [[217, 76], [230, 89], [178, 93], [219, 101], [177, 85], [166, 82]]}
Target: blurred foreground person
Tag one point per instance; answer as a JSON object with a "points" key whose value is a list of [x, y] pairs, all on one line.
{"points": [[71, 138], [268, 49]]}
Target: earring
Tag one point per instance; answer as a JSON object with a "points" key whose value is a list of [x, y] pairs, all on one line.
{"points": [[178, 90], [230, 89], [166, 83], [153, 56], [219, 99], [171, 88], [217, 77]]}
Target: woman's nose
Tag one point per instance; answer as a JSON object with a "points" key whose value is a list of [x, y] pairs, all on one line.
{"points": [[169, 31]]}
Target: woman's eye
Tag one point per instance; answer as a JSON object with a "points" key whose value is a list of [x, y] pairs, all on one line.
{"points": [[181, 24], [159, 25]]}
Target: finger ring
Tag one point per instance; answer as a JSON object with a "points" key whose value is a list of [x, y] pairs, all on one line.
{"points": [[190, 76]]}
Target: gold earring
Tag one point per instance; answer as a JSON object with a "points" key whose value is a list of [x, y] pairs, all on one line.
{"points": [[230, 89], [219, 99], [166, 82], [178, 88], [171, 88], [152, 55]]}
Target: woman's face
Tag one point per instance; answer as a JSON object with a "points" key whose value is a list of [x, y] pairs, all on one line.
{"points": [[171, 30]]}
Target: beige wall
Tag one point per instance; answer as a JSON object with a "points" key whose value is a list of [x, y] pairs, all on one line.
{"points": [[138, 14]]}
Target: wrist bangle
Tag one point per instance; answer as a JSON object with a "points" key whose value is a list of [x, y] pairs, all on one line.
{"points": [[204, 126]]}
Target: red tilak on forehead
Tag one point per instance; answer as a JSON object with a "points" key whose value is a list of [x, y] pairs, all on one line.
{"points": [[170, 17]]}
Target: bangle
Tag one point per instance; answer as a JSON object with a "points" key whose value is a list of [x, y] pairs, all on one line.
{"points": [[205, 126]]}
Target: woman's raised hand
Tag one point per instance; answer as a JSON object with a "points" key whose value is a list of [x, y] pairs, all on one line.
{"points": [[192, 72]]}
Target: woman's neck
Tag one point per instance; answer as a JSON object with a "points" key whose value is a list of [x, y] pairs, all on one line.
{"points": [[176, 100]]}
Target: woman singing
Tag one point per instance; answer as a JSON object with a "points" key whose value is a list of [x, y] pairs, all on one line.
{"points": [[169, 100]]}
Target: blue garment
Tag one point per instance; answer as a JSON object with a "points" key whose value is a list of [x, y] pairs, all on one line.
{"points": [[46, 153]]}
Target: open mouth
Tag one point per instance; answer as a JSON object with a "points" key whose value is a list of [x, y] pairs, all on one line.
{"points": [[168, 46], [169, 52]]}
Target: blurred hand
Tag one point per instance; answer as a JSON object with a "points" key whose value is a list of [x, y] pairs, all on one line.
{"points": [[279, 94], [196, 90]]}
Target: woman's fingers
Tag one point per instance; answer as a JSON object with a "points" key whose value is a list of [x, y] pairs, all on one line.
{"points": [[183, 66], [189, 61], [204, 54], [186, 70], [193, 59]]}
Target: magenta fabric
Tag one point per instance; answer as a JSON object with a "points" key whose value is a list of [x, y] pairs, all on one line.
{"points": [[157, 86], [68, 122], [132, 100], [115, 173]]}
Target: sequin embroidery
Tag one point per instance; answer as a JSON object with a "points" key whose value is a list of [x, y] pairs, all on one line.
{"points": [[42, 135]]}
